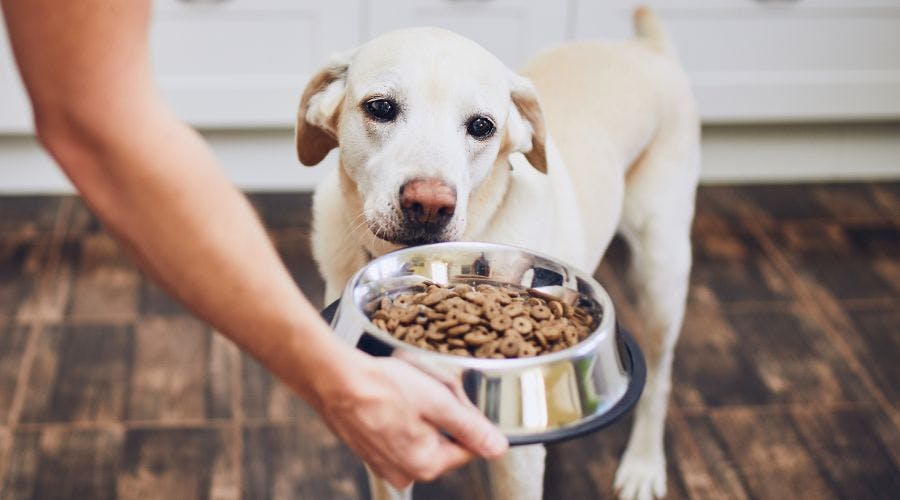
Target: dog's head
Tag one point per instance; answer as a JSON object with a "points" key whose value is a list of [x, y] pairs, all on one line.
{"points": [[422, 117]]}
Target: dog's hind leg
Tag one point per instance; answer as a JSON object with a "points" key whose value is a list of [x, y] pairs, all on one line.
{"points": [[656, 224], [380, 489], [518, 475]]}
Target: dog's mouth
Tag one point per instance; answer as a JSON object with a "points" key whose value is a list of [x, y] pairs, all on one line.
{"points": [[411, 237]]}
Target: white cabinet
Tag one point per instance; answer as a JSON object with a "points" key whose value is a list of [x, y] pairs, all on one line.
{"points": [[512, 30], [228, 63], [776, 60], [236, 68], [243, 63], [15, 112]]}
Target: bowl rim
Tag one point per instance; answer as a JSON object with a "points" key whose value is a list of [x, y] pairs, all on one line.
{"points": [[586, 348]]}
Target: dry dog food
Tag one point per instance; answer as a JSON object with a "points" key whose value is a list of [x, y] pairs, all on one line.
{"points": [[485, 321]]}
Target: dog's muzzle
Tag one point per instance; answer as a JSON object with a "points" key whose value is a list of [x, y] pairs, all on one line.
{"points": [[427, 206]]}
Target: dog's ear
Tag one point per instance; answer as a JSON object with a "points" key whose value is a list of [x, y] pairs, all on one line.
{"points": [[526, 130], [317, 119]]}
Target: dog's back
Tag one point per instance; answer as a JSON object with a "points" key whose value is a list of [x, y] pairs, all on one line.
{"points": [[608, 103]]}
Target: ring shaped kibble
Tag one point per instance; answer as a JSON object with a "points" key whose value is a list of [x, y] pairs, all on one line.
{"points": [[485, 321]]}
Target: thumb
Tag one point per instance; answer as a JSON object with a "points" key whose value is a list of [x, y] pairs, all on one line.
{"points": [[466, 425]]}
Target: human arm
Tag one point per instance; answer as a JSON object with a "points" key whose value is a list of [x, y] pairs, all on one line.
{"points": [[155, 185]]}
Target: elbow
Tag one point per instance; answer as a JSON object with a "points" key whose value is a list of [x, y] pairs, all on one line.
{"points": [[64, 135]]}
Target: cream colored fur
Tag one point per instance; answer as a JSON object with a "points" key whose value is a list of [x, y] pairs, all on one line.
{"points": [[625, 158]]}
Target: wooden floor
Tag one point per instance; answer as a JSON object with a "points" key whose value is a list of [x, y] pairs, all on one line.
{"points": [[787, 375]]}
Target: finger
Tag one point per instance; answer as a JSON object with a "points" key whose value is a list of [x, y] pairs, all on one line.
{"points": [[467, 425], [431, 462], [453, 455]]}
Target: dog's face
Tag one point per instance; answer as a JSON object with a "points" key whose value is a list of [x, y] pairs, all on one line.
{"points": [[421, 116]]}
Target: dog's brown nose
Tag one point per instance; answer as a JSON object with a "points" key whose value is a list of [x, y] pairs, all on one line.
{"points": [[427, 203]]}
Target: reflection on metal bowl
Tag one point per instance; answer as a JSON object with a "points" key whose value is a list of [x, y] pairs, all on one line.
{"points": [[540, 399]]}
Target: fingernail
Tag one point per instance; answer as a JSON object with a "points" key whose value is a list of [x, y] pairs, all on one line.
{"points": [[497, 443]]}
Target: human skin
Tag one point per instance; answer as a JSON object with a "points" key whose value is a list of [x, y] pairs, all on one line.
{"points": [[155, 185]]}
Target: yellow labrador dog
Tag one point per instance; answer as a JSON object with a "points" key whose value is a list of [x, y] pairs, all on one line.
{"points": [[439, 141]]}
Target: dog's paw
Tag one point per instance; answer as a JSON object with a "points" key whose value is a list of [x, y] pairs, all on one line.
{"points": [[640, 478]]}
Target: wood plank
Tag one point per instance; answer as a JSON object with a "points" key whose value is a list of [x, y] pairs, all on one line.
{"points": [[152, 300], [22, 259], [81, 372], [175, 464], [265, 397], [28, 214], [702, 460], [293, 245], [13, 338], [845, 447], [784, 201], [793, 358], [712, 367], [875, 338], [60, 463], [847, 201], [770, 455], [843, 259], [41, 379], [283, 210], [282, 462], [169, 370], [732, 266], [20, 473], [220, 387], [585, 467], [106, 282], [81, 220]]}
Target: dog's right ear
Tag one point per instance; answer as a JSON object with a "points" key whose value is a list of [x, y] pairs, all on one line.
{"points": [[317, 119]]}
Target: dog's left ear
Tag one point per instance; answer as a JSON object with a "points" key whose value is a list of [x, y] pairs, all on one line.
{"points": [[526, 130], [317, 119]]}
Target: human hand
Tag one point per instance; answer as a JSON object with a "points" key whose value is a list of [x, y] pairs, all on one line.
{"points": [[391, 414]]}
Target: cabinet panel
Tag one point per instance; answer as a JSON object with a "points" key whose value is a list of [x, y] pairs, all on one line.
{"points": [[15, 111], [776, 60], [512, 30], [244, 62]]}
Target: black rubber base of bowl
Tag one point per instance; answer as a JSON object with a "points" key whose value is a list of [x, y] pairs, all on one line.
{"points": [[633, 361]]}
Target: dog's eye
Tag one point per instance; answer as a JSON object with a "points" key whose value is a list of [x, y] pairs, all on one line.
{"points": [[381, 109], [480, 127]]}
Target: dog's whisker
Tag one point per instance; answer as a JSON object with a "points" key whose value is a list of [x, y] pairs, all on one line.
{"points": [[355, 223]]}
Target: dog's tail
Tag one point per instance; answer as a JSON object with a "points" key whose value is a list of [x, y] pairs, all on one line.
{"points": [[650, 31]]}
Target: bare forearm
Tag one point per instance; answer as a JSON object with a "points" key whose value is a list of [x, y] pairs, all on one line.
{"points": [[160, 191], [154, 182]]}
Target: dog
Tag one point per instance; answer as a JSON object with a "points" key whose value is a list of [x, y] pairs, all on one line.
{"points": [[439, 141]]}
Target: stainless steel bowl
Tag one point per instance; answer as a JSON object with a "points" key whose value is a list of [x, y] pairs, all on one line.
{"points": [[540, 399]]}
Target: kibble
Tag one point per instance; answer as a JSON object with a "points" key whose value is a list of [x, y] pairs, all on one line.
{"points": [[485, 321]]}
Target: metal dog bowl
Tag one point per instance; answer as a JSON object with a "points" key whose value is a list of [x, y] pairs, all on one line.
{"points": [[541, 399]]}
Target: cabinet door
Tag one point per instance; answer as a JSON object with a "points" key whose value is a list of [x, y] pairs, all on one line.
{"points": [[244, 62], [15, 111], [513, 30], [776, 59]]}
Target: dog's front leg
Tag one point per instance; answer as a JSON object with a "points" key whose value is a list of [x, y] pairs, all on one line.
{"points": [[519, 475], [660, 268], [382, 490]]}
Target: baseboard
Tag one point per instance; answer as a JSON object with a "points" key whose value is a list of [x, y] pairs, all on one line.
{"points": [[801, 152], [264, 160]]}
